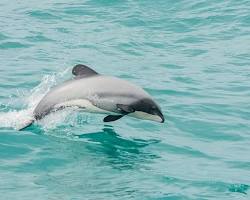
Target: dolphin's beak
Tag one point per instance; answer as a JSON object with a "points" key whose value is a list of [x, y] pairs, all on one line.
{"points": [[159, 113]]}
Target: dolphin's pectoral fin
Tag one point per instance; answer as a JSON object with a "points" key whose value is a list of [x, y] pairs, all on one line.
{"points": [[125, 109], [82, 71], [111, 118]]}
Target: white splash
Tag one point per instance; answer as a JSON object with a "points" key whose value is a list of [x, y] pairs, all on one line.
{"points": [[19, 118], [53, 120]]}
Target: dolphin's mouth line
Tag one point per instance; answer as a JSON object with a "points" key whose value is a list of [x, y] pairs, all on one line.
{"points": [[162, 117]]}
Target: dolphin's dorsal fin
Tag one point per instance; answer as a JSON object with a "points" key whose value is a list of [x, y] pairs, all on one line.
{"points": [[83, 71]]}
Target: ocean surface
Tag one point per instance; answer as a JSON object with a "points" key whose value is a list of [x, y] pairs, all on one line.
{"points": [[192, 56]]}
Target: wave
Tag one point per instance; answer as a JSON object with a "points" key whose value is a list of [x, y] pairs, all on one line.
{"points": [[17, 118]]}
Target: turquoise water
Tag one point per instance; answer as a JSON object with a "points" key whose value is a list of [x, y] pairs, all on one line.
{"points": [[192, 56]]}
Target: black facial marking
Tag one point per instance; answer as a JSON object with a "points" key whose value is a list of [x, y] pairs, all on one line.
{"points": [[144, 105], [148, 106]]}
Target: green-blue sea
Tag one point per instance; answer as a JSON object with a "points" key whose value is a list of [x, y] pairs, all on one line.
{"points": [[192, 56]]}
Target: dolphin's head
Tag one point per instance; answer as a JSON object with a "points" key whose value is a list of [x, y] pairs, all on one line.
{"points": [[148, 109]]}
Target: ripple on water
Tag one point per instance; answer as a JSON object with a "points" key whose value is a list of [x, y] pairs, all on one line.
{"points": [[14, 45], [43, 15], [38, 38], [3, 37]]}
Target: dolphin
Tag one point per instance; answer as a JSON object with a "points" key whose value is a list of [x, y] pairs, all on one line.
{"points": [[96, 93]]}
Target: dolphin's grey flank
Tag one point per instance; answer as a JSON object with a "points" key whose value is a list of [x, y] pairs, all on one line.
{"points": [[97, 93]]}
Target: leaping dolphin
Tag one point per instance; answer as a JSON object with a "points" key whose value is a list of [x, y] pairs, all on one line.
{"points": [[97, 93]]}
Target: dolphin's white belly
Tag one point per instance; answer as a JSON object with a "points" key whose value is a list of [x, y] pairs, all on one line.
{"points": [[84, 104]]}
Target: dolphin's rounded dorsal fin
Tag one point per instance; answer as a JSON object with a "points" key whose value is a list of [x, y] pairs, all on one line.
{"points": [[83, 71]]}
